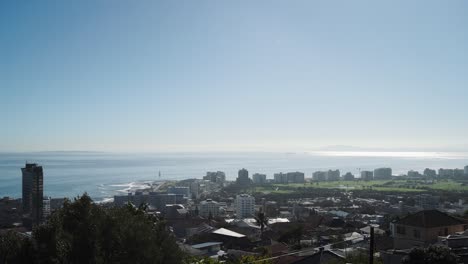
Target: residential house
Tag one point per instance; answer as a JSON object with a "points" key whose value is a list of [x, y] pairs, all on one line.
{"points": [[424, 227]]}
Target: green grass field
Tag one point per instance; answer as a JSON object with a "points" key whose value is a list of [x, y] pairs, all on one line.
{"points": [[377, 185]]}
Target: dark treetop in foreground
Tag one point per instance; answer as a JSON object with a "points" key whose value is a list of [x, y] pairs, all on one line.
{"points": [[432, 254], [83, 232]]}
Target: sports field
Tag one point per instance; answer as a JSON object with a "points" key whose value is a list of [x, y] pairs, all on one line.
{"points": [[377, 185]]}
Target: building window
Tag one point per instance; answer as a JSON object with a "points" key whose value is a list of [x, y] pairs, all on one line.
{"points": [[416, 233], [401, 230]]}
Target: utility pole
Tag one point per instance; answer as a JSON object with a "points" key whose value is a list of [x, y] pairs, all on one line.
{"points": [[371, 246]]}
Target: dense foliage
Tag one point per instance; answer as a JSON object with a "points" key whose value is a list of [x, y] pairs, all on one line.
{"points": [[292, 236], [83, 232], [14, 248], [432, 254]]}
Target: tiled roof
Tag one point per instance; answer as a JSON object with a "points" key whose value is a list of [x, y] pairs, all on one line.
{"points": [[431, 218], [204, 228], [325, 256]]}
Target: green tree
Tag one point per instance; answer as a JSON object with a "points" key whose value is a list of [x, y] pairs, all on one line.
{"points": [[292, 236], [15, 249], [83, 232], [210, 217], [262, 221], [431, 254], [359, 257], [465, 214], [253, 259], [206, 260]]}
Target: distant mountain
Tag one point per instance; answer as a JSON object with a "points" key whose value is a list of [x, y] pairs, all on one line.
{"points": [[341, 148], [461, 148]]}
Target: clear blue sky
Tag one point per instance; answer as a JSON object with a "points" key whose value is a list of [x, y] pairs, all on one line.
{"points": [[232, 75]]}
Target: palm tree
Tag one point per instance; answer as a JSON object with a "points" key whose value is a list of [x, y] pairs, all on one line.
{"points": [[210, 217], [262, 221]]}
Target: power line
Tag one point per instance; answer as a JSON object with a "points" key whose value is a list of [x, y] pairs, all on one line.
{"points": [[307, 250]]}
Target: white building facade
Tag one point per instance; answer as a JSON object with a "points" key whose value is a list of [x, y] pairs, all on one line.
{"points": [[383, 173], [46, 207], [281, 177], [245, 206], [367, 175], [333, 175], [319, 176], [258, 178], [208, 207]]}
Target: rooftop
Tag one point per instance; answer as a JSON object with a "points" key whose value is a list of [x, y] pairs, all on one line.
{"points": [[207, 244], [208, 201], [431, 218], [227, 232]]}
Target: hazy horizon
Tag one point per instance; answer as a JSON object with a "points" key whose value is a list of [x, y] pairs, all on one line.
{"points": [[166, 76], [104, 174], [325, 150]]}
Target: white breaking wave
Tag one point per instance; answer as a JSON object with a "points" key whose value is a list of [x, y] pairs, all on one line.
{"points": [[131, 186]]}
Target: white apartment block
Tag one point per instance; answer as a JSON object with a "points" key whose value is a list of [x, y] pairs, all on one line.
{"points": [[367, 175], [245, 206], [333, 175], [383, 173], [259, 178], [46, 207], [208, 207]]}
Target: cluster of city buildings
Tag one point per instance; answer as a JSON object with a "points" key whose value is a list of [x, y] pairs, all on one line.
{"points": [[258, 178], [326, 221], [289, 177], [218, 176], [384, 173], [225, 221], [35, 207]]}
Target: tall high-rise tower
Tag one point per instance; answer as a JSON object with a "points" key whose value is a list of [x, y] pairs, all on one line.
{"points": [[33, 191], [243, 177]]}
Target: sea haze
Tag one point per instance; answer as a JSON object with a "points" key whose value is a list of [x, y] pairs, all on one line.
{"points": [[102, 175]]}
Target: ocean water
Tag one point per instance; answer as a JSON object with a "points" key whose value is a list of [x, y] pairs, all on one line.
{"points": [[102, 175]]}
